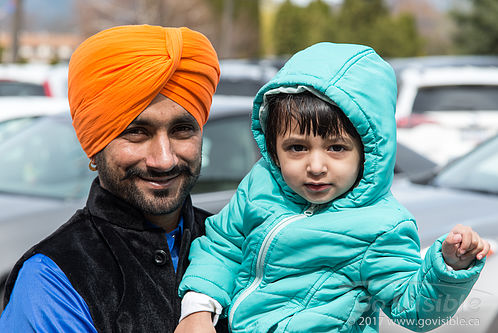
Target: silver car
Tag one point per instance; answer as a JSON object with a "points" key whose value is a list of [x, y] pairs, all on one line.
{"points": [[45, 176], [465, 192]]}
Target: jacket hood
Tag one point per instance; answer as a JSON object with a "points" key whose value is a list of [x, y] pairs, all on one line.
{"points": [[363, 86]]}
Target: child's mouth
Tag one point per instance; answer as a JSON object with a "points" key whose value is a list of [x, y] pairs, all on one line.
{"points": [[317, 187]]}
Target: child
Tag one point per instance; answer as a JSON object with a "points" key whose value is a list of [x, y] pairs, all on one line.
{"points": [[313, 240]]}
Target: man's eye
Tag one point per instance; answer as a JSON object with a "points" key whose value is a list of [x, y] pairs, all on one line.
{"points": [[184, 128], [337, 148], [135, 131]]}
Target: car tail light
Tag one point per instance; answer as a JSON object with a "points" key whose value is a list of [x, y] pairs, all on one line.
{"points": [[46, 88], [414, 120]]}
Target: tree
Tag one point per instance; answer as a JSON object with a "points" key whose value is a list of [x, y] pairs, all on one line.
{"points": [[370, 23], [289, 31], [477, 31], [320, 22], [237, 24], [232, 26]]}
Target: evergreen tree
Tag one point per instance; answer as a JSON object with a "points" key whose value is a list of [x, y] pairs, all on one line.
{"points": [[477, 29], [289, 30], [358, 21], [319, 22], [370, 23]]}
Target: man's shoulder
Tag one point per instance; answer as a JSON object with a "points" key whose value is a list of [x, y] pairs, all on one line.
{"points": [[200, 214]]}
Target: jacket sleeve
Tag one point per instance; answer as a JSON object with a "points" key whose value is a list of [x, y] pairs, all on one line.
{"points": [[216, 257], [420, 294]]}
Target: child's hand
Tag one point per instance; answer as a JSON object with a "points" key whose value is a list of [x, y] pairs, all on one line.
{"points": [[462, 246], [198, 322]]}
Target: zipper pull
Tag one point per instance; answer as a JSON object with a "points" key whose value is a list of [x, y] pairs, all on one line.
{"points": [[310, 210]]}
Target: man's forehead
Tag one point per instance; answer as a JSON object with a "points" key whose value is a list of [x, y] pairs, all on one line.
{"points": [[156, 118]]}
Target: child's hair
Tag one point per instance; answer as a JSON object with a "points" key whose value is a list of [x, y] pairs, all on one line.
{"points": [[313, 116]]}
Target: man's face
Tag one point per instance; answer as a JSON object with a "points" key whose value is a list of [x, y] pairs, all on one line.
{"points": [[154, 163]]}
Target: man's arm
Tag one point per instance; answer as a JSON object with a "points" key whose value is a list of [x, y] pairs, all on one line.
{"points": [[43, 300]]}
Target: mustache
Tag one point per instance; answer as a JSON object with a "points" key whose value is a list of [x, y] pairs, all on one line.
{"points": [[178, 170]]}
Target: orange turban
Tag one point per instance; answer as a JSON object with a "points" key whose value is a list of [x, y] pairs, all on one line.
{"points": [[115, 74]]}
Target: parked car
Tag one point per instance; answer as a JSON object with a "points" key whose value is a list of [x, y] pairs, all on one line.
{"points": [[28, 107], [465, 192], [444, 112], [33, 80], [240, 77], [45, 176]]}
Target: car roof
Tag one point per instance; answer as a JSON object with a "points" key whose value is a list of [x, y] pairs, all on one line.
{"points": [[224, 105], [30, 106], [461, 75], [400, 64]]}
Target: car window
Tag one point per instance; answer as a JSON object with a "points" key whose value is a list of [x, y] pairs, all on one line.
{"points": [[45, 160], [243, 87], [228, 153], [10, 127], [13, 88], [476, 171], [455, 98]]}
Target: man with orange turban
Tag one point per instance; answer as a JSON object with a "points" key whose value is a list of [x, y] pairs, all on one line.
{"points": [[139, 97]]}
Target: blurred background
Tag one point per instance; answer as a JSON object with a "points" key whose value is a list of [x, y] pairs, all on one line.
{"points": [[48, 31], [444, 54]]}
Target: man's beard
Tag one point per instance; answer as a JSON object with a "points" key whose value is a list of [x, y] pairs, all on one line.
{"points": [[160, 202]]}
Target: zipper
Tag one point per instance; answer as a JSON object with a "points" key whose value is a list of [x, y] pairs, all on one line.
{"points": [[263, 251], [311, 210]]}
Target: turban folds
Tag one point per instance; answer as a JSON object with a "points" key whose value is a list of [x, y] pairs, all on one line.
{"points": [[115, 74]]}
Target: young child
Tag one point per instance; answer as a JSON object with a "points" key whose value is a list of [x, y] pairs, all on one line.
{"points": [[313, 240]]}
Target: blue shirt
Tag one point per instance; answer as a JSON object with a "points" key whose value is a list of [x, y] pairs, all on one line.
{"points": [[43, 299]]}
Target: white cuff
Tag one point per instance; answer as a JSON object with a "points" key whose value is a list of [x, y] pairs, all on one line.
{"points": [[196, 302]]}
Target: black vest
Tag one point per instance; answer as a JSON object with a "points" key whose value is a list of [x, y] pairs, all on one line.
{"points": [[120, 265]]}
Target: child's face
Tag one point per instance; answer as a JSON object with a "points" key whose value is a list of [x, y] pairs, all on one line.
{"points": [[319, 170]]}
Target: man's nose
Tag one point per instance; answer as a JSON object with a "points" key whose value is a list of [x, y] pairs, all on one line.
{"points": [[161, 155], [316, 164]]}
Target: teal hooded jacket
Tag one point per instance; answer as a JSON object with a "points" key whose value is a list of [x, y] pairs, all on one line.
{"points": [[279, 264]]}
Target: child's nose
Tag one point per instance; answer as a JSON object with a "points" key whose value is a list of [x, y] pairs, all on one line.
{"points": [[316, 165]]}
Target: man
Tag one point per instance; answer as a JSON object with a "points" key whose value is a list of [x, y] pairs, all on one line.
{"points": [[139, 96]]}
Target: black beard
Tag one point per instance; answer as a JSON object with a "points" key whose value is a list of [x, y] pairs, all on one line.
{"points": [[163, 202]]}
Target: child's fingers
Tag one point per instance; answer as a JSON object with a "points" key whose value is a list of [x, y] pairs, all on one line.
{"points": [[453, 238], [475, 240], [484, 252], [467, 239]]}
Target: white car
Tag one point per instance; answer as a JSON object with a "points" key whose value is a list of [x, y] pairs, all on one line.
{"points": [[33, 80], [30, 106], [444, 112]]}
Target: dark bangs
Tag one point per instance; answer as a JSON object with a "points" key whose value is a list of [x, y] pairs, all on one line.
{"points": [[313, 116]]}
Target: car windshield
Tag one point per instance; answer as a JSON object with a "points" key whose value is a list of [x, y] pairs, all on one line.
{"points": [[476, 171], [13, 88], [12, 126], [44, 159], [456, 98]]}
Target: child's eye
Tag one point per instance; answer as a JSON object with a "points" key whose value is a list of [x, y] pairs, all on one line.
{"points": [[337, 148], [297, 148]]}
